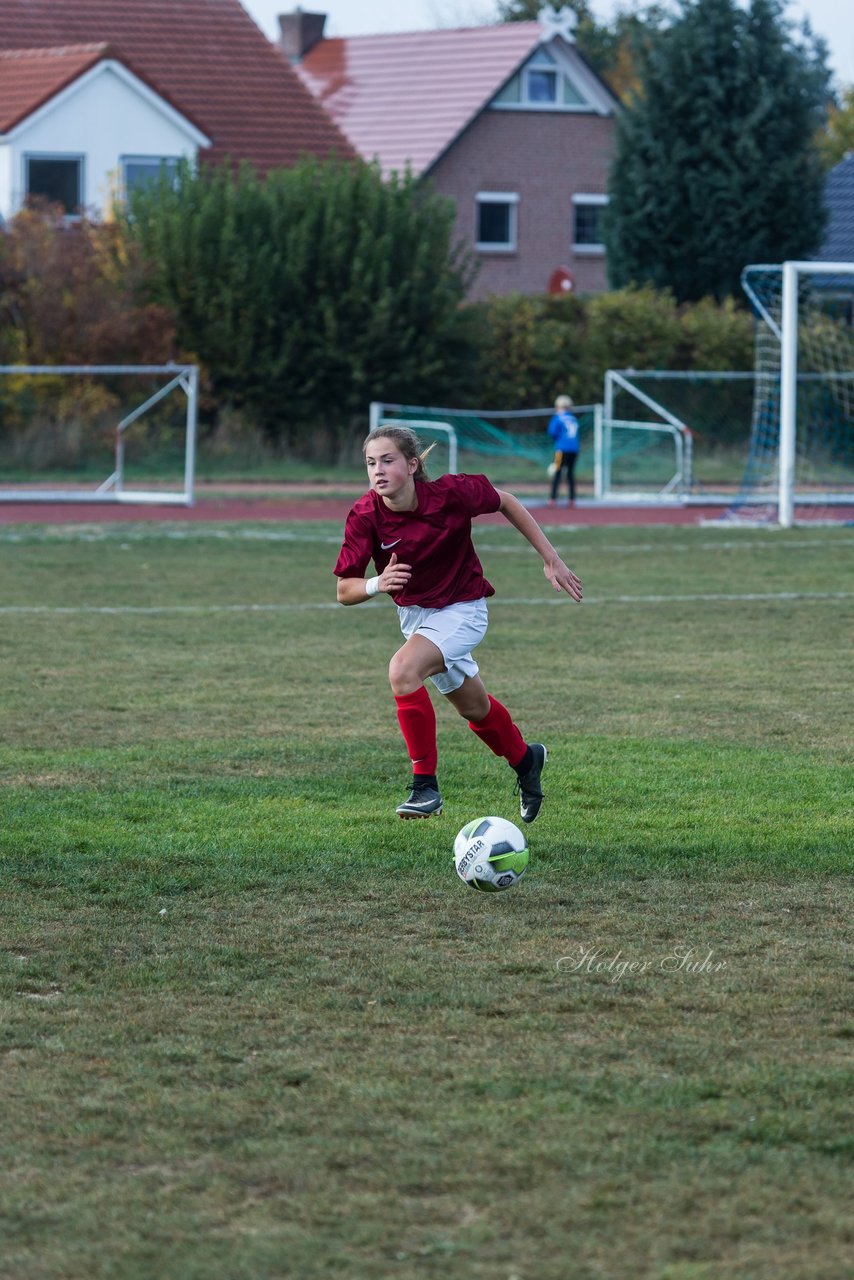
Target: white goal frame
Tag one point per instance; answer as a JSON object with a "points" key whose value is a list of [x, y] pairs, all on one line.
{"points": [[184, 377], [678, 487], [787, 334]]}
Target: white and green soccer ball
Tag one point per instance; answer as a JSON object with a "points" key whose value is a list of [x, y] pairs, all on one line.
{"points": [[490, 854]]}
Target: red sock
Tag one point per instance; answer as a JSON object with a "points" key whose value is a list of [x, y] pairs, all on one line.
{"points": [[417, 719], [500, 734]]}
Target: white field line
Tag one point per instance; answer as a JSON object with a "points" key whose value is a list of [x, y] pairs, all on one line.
{"points": [[610, 549], [125, 538], [785, 597]]}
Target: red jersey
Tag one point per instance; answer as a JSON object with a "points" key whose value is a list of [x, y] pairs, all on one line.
{"points": [[435, 539]]}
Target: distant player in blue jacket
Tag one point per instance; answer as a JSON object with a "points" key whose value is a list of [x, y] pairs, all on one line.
{"points": [[564, 431]]}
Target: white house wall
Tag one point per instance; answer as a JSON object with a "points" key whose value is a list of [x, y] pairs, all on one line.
{"points": [[6, 183], [103, 120]]}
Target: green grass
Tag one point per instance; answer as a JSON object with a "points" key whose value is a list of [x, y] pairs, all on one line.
{"points": [[252, 1026]]}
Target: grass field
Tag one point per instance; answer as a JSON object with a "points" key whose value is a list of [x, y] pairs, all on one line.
{"points": [[253, 1026]]}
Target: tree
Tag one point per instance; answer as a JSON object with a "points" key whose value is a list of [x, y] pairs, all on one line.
{"points": [[838, 139], [71, 295], [715, 162], [611, 49], [310, 292]]}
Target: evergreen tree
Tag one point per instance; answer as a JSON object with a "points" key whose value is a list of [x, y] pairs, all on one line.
{"points": [[715, 161]]}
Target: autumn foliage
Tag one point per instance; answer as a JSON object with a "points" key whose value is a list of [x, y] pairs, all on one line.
{"points": [[69, 295]]}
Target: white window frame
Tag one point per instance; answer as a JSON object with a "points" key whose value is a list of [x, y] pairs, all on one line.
{"points": [[581, 200], [541, 69], [154, 161], [510, 198], [78, 157]]}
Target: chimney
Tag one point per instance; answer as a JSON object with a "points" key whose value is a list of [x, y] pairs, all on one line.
{"points": [[299, 32]]}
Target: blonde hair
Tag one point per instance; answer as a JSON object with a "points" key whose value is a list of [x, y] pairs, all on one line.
{"points": [[563, 402], [408, 444]]}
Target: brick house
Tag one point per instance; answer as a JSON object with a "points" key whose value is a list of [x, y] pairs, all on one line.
{"points": [[99, 93], [508, 120]]}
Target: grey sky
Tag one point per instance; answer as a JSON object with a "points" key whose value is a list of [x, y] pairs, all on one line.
{"points": [[832, 19]]}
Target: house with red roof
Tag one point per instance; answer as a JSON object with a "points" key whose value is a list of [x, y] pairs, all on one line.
{"points": [[79, 127], [509, 120], [96, 95]]}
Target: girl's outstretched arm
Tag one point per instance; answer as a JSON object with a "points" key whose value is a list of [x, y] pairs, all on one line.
{"points": [[561, 578]]}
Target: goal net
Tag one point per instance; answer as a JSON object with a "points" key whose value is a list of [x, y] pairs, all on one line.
{"points": [[800, 466], [98, 433], [511, 444], [659, 437]]}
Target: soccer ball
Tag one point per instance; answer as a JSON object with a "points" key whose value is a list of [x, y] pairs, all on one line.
{"points": [[490, 854]]}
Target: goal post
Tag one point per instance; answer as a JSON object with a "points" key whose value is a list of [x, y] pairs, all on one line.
{"points": [[788, 394], [37, 411], [638, 459], [801, 465]]}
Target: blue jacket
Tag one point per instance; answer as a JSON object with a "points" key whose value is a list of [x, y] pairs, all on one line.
{"points": [[563, 429]]}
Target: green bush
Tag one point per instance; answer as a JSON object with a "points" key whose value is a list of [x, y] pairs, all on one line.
{"points": [[532, 348], [527, 346], [310, 292]]}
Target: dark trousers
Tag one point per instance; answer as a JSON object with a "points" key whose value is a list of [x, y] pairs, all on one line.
{"points": [[564, 462]]}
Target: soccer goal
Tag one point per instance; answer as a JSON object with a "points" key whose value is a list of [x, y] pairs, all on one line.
{"points": [[801, 461], [643, 449], [511, 443], [674, 436], [98, 433]]}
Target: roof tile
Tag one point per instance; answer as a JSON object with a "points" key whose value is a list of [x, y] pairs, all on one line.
{"points": [[838, 243], [207, 57], [31, 77]]}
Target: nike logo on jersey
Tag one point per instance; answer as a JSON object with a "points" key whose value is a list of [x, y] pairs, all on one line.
{"points": [[387, 546]]}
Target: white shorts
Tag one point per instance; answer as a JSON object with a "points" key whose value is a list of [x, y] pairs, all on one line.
{"points": [[455, 631]]}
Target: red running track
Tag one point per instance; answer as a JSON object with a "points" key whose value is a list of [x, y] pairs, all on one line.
{"points": [[334, 509]]}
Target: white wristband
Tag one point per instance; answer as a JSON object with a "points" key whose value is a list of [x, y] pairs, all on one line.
{"points": [[372, 586]]}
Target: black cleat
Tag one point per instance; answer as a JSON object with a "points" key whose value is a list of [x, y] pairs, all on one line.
{"points": [[528, 784], [423, 802]]}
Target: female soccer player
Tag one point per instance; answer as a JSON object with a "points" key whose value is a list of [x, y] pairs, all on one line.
{"points": [[418, 534]]}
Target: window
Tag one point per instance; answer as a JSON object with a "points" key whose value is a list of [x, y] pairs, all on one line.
{"points": [[58, 179], [541, 85], [142, 171], [540, 79], [587, 234], [496, 221]]}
